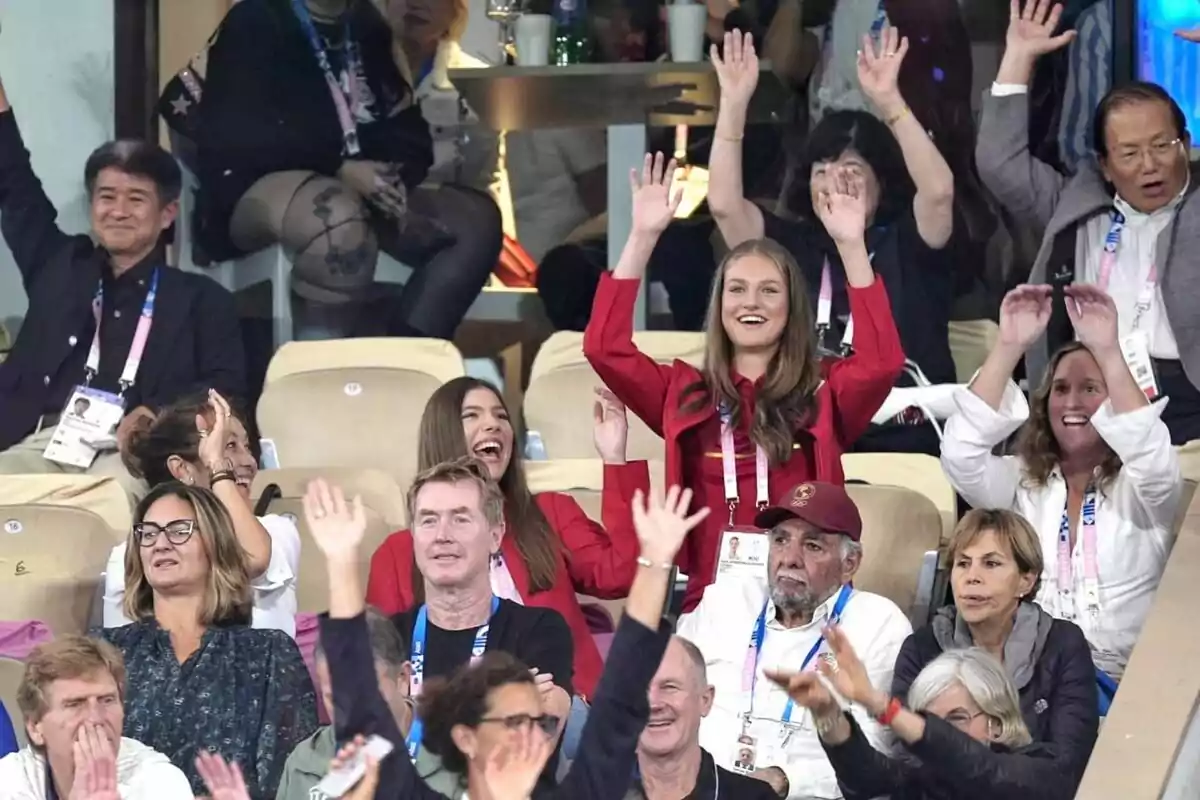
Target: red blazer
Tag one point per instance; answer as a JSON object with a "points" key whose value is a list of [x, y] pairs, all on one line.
{"points": [[853, 390], [594, 561]]}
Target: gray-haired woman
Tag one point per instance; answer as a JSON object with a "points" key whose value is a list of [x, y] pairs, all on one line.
{"points": [[962, 726]]}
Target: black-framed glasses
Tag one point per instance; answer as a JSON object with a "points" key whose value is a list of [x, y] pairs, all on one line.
{"points": [[515, 722], [177, 532]]}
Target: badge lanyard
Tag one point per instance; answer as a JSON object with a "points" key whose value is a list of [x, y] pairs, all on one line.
{"points": [[750, 671], [136, 349], [1108, 261], [342, 100], [1091, 569], [416, 731], [825, 308], [729, 467]]}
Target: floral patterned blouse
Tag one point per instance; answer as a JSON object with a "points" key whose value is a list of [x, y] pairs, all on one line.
{"points": [[245, 693]]}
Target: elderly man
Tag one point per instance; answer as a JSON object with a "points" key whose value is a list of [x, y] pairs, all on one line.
{"points": [[814, 532], [72, 696], [671, 764]]}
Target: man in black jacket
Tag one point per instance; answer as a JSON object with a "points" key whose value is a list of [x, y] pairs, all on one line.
{"points": [[187, 333]]}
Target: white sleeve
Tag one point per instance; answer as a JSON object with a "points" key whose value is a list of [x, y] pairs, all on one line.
{"points": [[1008, 89], [114, 589], [160, 780], [284, 565], [971, 433], [1149, 463]]}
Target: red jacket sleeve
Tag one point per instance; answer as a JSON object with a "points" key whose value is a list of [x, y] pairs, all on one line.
{"points": [[602, 559], [860, 383], [638, 380], [389, 585]]}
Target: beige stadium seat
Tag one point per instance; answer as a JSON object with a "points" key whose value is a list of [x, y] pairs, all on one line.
{"points": [[102, 496], [11, 673], [970, 343], [382, 498], [558, 402], [353, 402], [917, 471], [901, 533], [51, 558]]}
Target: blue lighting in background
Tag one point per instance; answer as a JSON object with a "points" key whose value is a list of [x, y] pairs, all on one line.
{"points": [[1168, 60]]}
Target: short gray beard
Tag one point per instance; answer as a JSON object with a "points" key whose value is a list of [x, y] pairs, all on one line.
{"points": [[803, 603]]}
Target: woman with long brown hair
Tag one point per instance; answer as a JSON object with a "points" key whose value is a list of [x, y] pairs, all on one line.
{"points": [[762, 414], [1094, 471], [551, 550]]}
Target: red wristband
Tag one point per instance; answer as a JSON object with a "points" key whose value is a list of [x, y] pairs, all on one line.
{"points": [[889, 713]]}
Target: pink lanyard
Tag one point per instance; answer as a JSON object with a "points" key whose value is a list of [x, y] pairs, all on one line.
{"points": [[825, 308], [1066, 565], [729, 467], [1108, 261], [136, 349]]}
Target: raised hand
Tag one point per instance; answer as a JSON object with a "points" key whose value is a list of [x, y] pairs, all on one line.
{"points": [[336, 526], [611, 426], [1024, 315], [737, 71], [1031, 29], [806, 689], [841, 205], [224, 781], [512, 769], [1094, 316], [846, 673], [365, 788], [879, 69], [214, 438], [95, 765], [662, 525], [655, 198]]}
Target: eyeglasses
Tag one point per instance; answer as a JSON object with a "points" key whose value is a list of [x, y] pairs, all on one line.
{"points": [[177, 532], [515, 722], [1159, 151], [962, 719]]}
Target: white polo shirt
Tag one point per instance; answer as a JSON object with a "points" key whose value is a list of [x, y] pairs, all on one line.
{"points": [[722, 626], [274, 591]]}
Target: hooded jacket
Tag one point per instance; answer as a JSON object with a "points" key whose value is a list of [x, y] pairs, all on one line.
{"points": [[143, 773], [1049, 663]]}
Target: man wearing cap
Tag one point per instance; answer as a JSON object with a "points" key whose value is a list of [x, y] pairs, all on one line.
{"points": [[814, 531]]}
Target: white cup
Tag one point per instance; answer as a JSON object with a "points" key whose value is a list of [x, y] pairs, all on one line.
{"points": [[685, 27], [533, 40]]}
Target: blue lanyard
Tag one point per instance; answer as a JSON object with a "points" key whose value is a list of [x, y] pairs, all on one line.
{"points": [[760, 633], [416, 731], [343, 103], [426, 69]]}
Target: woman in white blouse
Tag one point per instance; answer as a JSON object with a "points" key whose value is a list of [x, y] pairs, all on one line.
{"points": [[1094, 470], [203, 442]]}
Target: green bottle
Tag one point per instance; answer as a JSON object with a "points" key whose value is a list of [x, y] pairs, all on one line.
{"points": [[572, 36]]}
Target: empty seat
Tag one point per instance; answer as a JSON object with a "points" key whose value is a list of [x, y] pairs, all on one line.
{"points": [[384, 503], [51, 558], [917, 471], [558, 402], [901, 533], [353, 402], [102, 496]]}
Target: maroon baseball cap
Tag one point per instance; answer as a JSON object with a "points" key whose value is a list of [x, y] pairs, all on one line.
{"points": [[823, 505]]}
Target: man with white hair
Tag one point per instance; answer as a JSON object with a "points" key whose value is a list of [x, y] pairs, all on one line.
{"points": [[814, 531]]}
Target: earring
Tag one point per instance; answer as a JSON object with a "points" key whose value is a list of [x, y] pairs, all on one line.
{"points": [[191, 480]]}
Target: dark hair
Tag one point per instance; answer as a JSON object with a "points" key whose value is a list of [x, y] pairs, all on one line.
{"points": [[463, 700], [1135, 92], [842, 131], [172, 433], [141, 159], [788, 395], [389, 646], [441, 440]]}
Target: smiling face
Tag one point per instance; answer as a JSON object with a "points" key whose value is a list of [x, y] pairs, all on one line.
{"points": [[452, 540], [237, 451], [1077, 391], [679, 699], [1147, 158], [488, 430], [986, 580], [70, 704], [127, 213], [172, 568], [754, 302], [805, 566]]}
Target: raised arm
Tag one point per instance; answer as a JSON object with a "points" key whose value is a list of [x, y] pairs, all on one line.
{"points": [[1024, 185], [879, 74], [638, 380], [738, 219]]}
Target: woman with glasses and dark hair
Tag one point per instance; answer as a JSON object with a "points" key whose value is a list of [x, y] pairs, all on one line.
{"points": [[200, 678], [202, 441]]}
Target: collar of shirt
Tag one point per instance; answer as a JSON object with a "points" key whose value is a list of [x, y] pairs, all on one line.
{"points": [[1135, 217], [706, 780], [137, 275], [820, 614]]}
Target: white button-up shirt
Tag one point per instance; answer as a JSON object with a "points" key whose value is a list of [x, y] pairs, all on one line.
{"points": [[274, 591], [722, 625], [1135, 513]]}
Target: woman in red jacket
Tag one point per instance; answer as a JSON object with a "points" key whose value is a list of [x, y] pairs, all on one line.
{"points": [[551, 550], [757, 418]]}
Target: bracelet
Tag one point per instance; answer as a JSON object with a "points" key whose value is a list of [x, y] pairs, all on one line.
{"points": [[223, 475], [730, 138], [893, 708], [899, 115], [645, 562]]}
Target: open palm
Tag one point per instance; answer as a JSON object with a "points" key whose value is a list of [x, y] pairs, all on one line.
{"points": [[879, 66], [842, 207], [1024, 315], [335, 525], [737, 69], [662, 524], [611, 426], [1031, 29], [224, 781], [1093, 315], [511, 770], [655, 198]]}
